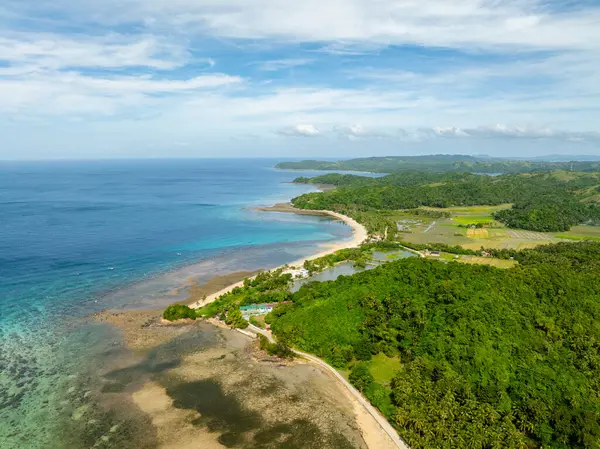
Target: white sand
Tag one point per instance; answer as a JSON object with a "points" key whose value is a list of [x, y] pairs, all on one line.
{"points": [[359, 236]]}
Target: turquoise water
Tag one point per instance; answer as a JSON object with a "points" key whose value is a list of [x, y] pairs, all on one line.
{"points": [[77, 237]]}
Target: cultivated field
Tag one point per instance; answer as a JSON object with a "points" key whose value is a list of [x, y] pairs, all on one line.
{"points": [[496, 235], [473, 219], [480, 233]]}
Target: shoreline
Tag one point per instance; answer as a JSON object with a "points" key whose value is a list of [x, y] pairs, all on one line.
{"points": [[359, 235], [152, 332]]}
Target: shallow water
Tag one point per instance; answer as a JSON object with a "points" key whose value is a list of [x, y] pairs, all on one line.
{"points": [[348, 269], [79, 237]]}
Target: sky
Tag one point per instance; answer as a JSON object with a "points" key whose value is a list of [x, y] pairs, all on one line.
{"points": [[312, 79]]}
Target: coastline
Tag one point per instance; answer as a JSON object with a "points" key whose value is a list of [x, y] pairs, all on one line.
{"points": [[376, 431], [359, 235], [144, 331]]}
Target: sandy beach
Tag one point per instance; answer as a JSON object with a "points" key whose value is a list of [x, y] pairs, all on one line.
{"points": [[359, 235]]}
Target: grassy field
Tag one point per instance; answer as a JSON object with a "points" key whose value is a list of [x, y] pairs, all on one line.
{"points": [[383, 368], [581, 233], [498, 263], [578, 237], [473, 219]]}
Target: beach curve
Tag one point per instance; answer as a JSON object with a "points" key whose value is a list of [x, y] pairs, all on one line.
{"points": [[359, 236], [378, 433]]}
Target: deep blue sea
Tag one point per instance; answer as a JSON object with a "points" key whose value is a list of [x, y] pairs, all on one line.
{"points": [[77, 237]]}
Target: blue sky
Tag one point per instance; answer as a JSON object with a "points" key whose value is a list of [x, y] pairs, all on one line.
{"points": [[340, 78]]}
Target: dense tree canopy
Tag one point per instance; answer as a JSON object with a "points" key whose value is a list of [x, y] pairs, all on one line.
{"points": [[541, 202], [490, 358], [178, 312]]}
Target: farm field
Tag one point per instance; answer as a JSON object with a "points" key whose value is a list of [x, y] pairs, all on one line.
{"points": [[449, 232], [473, 219], [528, 235], [581, 233], [452, 231], [480, 233]]}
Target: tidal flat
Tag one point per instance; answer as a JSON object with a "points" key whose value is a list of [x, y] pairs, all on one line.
{"points": [[196, 385]]}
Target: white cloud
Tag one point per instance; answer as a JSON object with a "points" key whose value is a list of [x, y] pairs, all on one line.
{"points": [[282, 64], [452, 131], [301, 130], [499, 131], [528, 132], [65, 93], [39, 51], [149, 85], [521, 62], [350, 48], [355, 132], [446, 23]]}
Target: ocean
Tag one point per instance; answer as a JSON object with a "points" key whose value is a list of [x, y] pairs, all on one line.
{"points": [[79, 237]]}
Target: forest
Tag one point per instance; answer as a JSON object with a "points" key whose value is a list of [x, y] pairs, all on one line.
{"points": [[548, 201], [487, 358], [440, 163]]}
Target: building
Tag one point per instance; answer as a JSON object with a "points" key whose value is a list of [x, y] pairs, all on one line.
{"points": [[259, 309], [256, 310], [299, 273], [432, 253]]}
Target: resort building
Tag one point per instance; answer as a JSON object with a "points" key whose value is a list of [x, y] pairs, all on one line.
{"points": [[259, 309], [256, 309]]}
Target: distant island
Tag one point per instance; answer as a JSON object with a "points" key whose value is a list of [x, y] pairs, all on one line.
{"points": [[445, 163]]}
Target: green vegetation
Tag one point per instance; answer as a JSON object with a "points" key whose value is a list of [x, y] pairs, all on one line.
{"points": [[486, 357], [442, 247], [473, 219], [541, 202], [549, 214], [179, 312], [579, 237], [260, 323], [266, 287], [439, 163], [359, 256], [278, 349], [333, 179], [492, 261], [384, 368], [233, 317], [361, 377]]}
